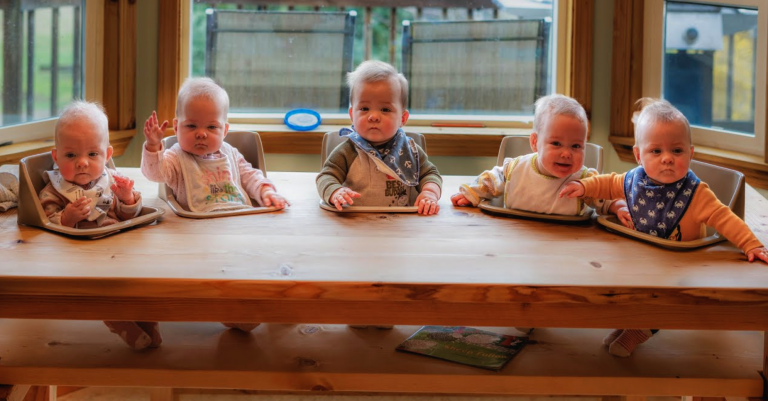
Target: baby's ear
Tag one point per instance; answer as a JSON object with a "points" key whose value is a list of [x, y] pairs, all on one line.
{"points": [[534, 141], [109, 152], [636, 152], [55, 156]]}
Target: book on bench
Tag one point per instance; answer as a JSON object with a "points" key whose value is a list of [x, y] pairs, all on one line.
{"points": [[473, 347]]}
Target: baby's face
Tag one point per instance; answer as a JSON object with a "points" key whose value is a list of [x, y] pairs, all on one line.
{"points": [[376, 111], [81, 151], [202, 127], [560, 149], [665, 151]]}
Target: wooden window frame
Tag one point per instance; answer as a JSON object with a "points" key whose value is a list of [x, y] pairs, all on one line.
{"points": [[627, 85], [467, 139], [109, 78]]}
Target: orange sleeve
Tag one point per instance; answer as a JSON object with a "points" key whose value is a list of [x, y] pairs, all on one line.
{"points": [[709, 210], [604, 186]]}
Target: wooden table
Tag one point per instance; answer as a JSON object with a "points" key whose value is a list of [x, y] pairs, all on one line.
{"points": [[321, 269]]}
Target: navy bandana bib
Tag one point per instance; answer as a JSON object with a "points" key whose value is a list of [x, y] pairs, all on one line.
{"points": [[657, 209], [399, 155]]}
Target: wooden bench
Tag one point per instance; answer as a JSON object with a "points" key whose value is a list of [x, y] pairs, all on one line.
{"points": [[461, 267]]}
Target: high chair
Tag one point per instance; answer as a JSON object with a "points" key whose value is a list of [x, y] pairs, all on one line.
{"points": [[728, 186], [249, 145], [31, 182], [513, 146], [330, 141]]}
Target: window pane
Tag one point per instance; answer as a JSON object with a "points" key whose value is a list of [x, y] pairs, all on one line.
{"points": [[709, 64], [42, 58], [489, 60]]}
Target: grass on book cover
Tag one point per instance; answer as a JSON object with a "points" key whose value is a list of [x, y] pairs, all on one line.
{"points": [[473, 347]]}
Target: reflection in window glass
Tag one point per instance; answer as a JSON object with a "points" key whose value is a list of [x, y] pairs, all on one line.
{"points": [[492, 60], [709, 64], [42, 58]]}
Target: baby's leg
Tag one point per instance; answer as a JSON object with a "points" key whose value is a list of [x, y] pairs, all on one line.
{"points": [[626, 342], [611, 337], [131, 333], [245, 327], [153, 330]]}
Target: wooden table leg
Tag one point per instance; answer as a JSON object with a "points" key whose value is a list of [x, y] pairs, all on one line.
{"points": [[13, 393], [161, 394], [41, 393]]}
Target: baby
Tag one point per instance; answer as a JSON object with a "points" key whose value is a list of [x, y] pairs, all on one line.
{"points": [[664, 197], [379, 165], [205, 173], [532, 182], [82, 192]]}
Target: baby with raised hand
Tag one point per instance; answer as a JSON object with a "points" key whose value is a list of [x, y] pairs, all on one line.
{"points": [[664, 197], [205, 173], [532, 182], [81, 191], [379, 165]]}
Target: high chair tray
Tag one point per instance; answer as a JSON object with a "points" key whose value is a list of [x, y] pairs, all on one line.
{"points": [[495, 206], [612, 224], [148, 215], [176, 208], [369, 209]]}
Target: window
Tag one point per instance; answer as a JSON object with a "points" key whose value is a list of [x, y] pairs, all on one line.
{"points": [[275, 58], [42, 67], [709, 60]]}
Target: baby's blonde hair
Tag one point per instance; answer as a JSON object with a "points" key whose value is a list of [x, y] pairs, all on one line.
{"points": [[80, 109], [374, 71], [203, 87], [654, 111], [547, 107]]}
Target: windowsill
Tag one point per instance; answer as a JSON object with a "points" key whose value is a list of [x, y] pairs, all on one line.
{"points": [[414, 120], [753, 167], [12, 154]]}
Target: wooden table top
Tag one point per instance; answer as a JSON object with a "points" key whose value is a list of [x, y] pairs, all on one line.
{"points": [[305, 264]]}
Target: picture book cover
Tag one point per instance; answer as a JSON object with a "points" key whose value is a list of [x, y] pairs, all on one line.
{"points": [[473, 347]]}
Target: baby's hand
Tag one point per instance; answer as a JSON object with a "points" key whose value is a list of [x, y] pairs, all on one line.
{"points": [[573, 189], [460, 200], [154, 132], [427, 203], [620, 209], [123, 189], [758, 253], [271, 198], [343, 196], [75, 212]]}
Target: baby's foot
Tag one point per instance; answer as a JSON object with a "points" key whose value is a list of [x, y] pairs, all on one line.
{"points": [[153, 330], [611, 337], [365, 326], [244, 327], [131, 333], [626, 342]]}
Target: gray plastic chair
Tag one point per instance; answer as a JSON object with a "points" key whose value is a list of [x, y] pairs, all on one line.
{"points": [[30, 213], [513, 146], [249, 145], [728, 185], [332, 139]]}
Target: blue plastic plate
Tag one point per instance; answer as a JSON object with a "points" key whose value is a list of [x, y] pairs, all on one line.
{"points": [[302, 119]]}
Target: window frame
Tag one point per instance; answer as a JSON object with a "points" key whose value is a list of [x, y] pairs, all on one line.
{"points": [[92, 78], [653, 50], [562, 60]]}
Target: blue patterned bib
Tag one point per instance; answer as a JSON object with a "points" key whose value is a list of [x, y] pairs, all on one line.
{"points": [[657, 209], [399, 155]]}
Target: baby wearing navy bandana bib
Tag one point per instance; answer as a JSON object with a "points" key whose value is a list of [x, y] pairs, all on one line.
{"points": [[379, 165], [664, 197]]}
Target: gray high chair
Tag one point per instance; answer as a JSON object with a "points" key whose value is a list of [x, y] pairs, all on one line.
{"points": [[30, 213], [513, 146], [249, 145]]}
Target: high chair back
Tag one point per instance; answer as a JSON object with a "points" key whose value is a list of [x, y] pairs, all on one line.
{"points": [[518, 145], [249, 145], [332, 139], [30, 213]]}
